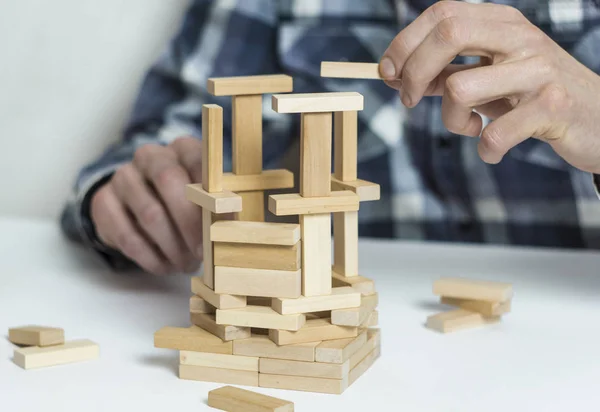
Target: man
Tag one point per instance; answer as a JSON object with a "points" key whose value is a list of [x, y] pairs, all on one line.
{"points": [[462, 70]]}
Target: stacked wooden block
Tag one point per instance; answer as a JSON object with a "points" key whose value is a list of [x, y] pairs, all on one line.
{"points": [[272, 308]]}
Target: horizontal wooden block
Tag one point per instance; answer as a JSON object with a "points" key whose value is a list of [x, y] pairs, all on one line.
{"points": [[33, 335], [339, 350], [217, 375], [263, 347], [260, 317], [350, 70], [217, 202], [315, 330], [344, 297], [366, 191], [267, 180], [207, 321], [232, 399], [294, 204], [260, 233], [488, 309], [258, 256], [355, 316], [373, 341], [458, 319], [218, 360], [34, 357], [362, 284], [300, 383], [307, 369], [199, 305], [317, 102], [371, 321], [219, 301], [364, 365], [473, 289], [245, 85], [193, 338], [258, 282]]}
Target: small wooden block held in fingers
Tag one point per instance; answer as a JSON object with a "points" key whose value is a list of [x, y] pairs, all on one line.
{"points": [[207, 321], [34, 357], [351, 70], [315, 330], [244, 85], [463, 288], [340, 298], [488, 309], [218, 360], [218, 375], [193, 338], [258, 282], [33, 335], [219, 301], [345, 243], [263, 347], [459, 319], [260, 317], [232, 399], [366, 191], [293, 204], [218, 202], [267, 180], [259, 233], [317, 102]]}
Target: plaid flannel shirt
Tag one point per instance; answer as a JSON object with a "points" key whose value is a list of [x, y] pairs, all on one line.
{"points": [[433, 184]]}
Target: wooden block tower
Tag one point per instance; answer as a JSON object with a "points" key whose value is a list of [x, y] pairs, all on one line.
{"points": [[271, 308]]}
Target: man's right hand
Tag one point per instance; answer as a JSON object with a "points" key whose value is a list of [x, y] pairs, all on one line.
{"points": [[142, 211]]}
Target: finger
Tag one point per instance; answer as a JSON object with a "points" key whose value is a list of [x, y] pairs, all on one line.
{"points": [[189, 152], [460, 119], [116, 228], [495, 109]]}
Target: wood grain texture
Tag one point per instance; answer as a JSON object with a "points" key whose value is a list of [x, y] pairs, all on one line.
{"points": [[193, 338], [218, 360], [212, 148], [267, 180], [260, 317], [366, 191], [314, 330], [35, 335], [317, 102], [474, 289], [219, 301], [243, 85], [294, 204], [260, 233], [307, 369], [345, 127], [315, 154], [350, 70], [232, 399], [458, 319], [35, 357], [340, 298], [258, 256], [316, 254], [345, 243], [258, 282], [218, 375], [301, 383]]}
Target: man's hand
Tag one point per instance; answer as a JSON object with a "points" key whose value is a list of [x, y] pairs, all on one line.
{"points": [[525, 82], [142, 211]]}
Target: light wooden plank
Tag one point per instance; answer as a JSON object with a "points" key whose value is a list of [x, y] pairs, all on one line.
{"points": [[34, 357], [244, 85], [263, 347], [371, 321], [208, 270], [345, 145], [247, 158], [316, 254], [258, 256], [254, 207], [212, 148], [193, 338], [364, 365], [258, 282], [315, 154], [339, 350], [307, 369], [350, 70], [219, 202], [199, 305], [267, 180], [362, 284], [294, 204], [340, 298], [373, 341], [263, 233], [366, 191], [219, 301], [217, 375], [232, 399], [458, 319], [219, 360], [300, 383], [463, 288], [34, 335], [313, 331], [355, 316], [207, 321], [345, 243], [317, 102], [260, 317], [488, 309]]}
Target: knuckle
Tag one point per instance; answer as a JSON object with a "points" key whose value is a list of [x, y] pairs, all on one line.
{"points": [[450, 32], [442, 10], [457, 90], [512, 12], [555, 98]]}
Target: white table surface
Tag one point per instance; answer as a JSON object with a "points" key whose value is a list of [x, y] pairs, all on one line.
{"points": [[544, 356]]}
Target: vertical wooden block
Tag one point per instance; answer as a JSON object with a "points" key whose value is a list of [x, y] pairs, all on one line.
{"points": [[315, 154], [346, 142], [232, 399], [316, 254], [247, 134], [253, 209], [33, 335], [345, 243], [212, 148], [207, 249]]}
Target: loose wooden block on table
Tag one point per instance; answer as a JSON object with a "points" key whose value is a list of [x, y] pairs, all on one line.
{"points": [[364, 365], [317, 102], [345, 126], [355, 316], [232, 399], [344, 297], [300, 383], [345, 243], [488, 309], [266, 180], [315, 330], [362, 284], [218, 360], [263, 347], [258, 256], [316, 254], [260, 317], [373, 341], [219, 301], [294, 204], [207, 321], [33, 335], [459, 319], [350, 70], [218, 375], [339, 350], [260, 233], [306, 369], [212, 148], [199, 305], [193, 338], [366, 191], [243, 85], [258, 282], [218, 202], [473, 289], [34, 357]]}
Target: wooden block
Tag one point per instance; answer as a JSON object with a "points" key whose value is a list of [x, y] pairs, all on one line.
{"points": [[258, 282], [355, 316], [219, 301], [472, 289], [345, 243], [33, 335], [345, 145], [260, 317], [263, 347], [217, 375], [366, 191], [254, 207], [371, 321], [293, 204], [260, 233], [300, 383], [315, 154], [207, 321], [208, 270], [307, 369], [340, 298], [218, 360], [247, 156], [258, 256], [317, 102], [488, 309], [362, 284], [243, 85], [34, 357], [232, 399], [219, 202], [364, 365], [259, 301], [199, 305], [316, 254], [459, 319], [193, 338], [212, 148], [373, 341], [267, 180], [315, 330], [340, 350], [350, 70]]}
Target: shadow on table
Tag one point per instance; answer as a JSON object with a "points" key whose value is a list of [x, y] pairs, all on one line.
{"points": [[169, 362], [431, 305]]}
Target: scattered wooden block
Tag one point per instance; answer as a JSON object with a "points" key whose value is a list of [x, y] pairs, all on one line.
{"points": [[373, 341], [258, 256], [192, 339], [260, 317], [364, 365], [218, 202], [217, 375], [208, 265], [34, 357], [315, 330], [355, 316], [488, 309], [263, 347], [351, 70], [212, 148], [315, 154], [199, 305], [294, 204], [300, 383], [266, 180], [366, 191], [473, 289], [317, 102], [258, 282], [340, 298], [232, 399], [362, 284], [33, 335], [219, 301], [207, 321], [339, 350], [243, 85], [345, 243], [345, 126], [316, 254], [260, 233], [218, 360], [459, 319], [306, 369]]}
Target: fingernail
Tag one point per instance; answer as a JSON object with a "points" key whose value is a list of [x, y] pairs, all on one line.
{"points": [[387, 68]]}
